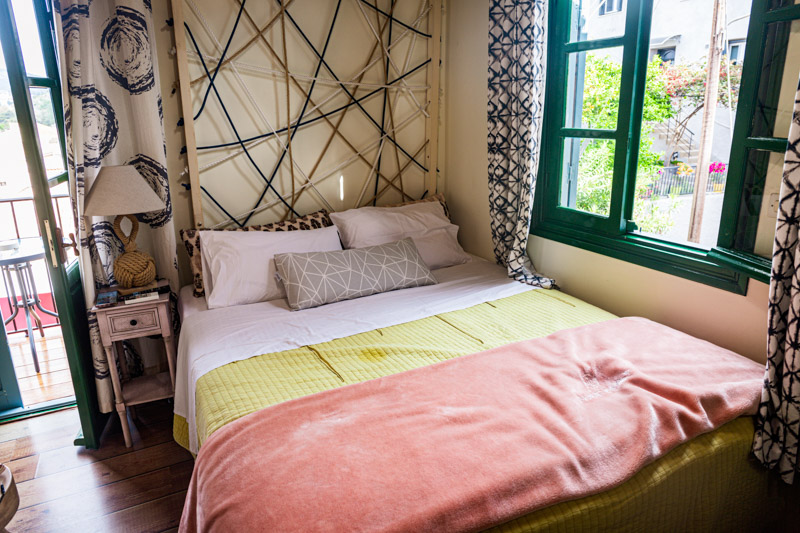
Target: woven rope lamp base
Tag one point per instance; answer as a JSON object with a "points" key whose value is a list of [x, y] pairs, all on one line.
{"points": [[133, 268]]}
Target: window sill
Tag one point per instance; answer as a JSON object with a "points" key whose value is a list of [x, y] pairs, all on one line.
{"points": [[689, 263], [754, 266]]}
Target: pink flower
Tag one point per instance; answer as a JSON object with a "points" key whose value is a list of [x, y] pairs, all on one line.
{"points": [[716, 166]]}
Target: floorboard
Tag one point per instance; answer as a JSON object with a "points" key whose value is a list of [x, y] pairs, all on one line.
{"points": [[65, 488], [93, 505], [46, 366], [54, 381], [45, 378], [46, 393], [152, 517], [28, 427], [47, 439]]}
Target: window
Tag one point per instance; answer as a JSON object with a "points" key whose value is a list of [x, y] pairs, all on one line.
{"points": [[736, 51], [667, 55], [610, 6], [34, 21], [622, 170]]}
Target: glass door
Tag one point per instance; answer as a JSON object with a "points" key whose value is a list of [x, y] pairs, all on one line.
{"points": [[35, 94]]}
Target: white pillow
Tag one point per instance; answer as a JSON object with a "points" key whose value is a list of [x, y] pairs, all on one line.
{"points": [[240, 264], [425, 222]]}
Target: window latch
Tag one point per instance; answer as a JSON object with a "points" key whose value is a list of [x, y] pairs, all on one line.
{"points": [[630, 226]]}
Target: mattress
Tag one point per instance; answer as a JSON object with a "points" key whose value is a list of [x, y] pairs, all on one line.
{"points": [[188, 305], [214, 338], [709, 474], [239, 388]]}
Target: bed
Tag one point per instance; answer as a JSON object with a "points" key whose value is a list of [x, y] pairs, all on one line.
{"points": [[711, 474]]}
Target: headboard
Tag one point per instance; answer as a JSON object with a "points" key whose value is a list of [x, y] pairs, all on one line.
{"points": [[290, 106]]}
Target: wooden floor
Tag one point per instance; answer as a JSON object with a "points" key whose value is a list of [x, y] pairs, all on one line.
{"points": [[54, 381], [66, 488]]}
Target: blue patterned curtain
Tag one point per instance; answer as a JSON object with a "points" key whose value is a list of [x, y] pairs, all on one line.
{"points": [[778, 420], [113, 117], [517, 54]]}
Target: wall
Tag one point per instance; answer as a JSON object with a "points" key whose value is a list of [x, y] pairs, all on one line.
{"points": [[465, 62], [171, 103], [734, 321]]}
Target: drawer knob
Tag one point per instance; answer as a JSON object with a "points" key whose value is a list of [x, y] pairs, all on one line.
{"points": [[133, 322]]}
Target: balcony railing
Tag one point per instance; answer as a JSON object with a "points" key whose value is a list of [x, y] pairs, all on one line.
{"points": [[18, 221], [672, 182]]}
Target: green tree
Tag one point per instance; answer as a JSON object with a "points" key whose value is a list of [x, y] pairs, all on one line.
{"points": [[7, 116], [600, 110], [43, 107], [685, 84]]}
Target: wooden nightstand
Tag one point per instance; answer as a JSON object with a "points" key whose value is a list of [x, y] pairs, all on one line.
{"points": [[122, 322]]}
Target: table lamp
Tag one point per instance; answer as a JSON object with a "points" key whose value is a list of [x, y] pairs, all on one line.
{"points": [[123, 192]]}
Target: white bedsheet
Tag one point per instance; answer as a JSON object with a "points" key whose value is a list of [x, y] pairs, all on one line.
{"points": [[188, 304], [212, 338]]}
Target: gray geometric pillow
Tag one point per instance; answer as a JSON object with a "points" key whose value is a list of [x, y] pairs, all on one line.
{"points": [[316, 278]]}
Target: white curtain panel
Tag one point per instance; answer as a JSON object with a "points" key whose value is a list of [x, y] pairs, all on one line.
{"points": [[113, 117], [778, 420], [517, 57]]}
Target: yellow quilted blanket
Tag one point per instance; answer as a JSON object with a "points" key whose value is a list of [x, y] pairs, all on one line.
{"points": [[714, 465]]}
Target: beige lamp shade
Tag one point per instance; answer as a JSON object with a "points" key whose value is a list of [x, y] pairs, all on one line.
{"points": [[123, 192], [120, 190]]}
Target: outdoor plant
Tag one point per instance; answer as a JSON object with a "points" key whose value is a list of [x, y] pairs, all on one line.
{"points": [[672, 91], [717, 167], [600, 108], [686, 83], [684, 169]]}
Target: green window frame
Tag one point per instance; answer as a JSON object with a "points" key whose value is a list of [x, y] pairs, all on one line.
{"points": [[51, 81], [767, 42], [727, 266]]}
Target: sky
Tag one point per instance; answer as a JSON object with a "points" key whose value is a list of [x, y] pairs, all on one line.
{"points": [[13, 173], [29, 38]]}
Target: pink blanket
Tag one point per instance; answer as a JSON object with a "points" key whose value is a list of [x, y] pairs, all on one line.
{"points": [[474, 441]]}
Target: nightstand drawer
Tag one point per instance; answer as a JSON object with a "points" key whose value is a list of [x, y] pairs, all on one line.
{"points": [[146, 319]]}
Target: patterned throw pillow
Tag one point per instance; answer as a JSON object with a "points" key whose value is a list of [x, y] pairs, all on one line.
{"points": [[191, 239], [312, 279]]}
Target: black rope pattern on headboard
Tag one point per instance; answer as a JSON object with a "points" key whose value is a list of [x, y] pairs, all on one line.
{"points": [[302, 120], [233, 127]]}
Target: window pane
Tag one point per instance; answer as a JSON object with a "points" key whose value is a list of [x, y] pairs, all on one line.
{"points": [[664, 200], [736, 51], [593, 83], [775, 96], [14, 180], [48, 134], [775, 4], [666, 203], [29, 37], [758, 210], [17, 218], [597, 19], [587, 175]]}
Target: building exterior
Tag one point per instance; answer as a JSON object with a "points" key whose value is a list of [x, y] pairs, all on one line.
{"points": [[681, 28], [680, 33]]}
